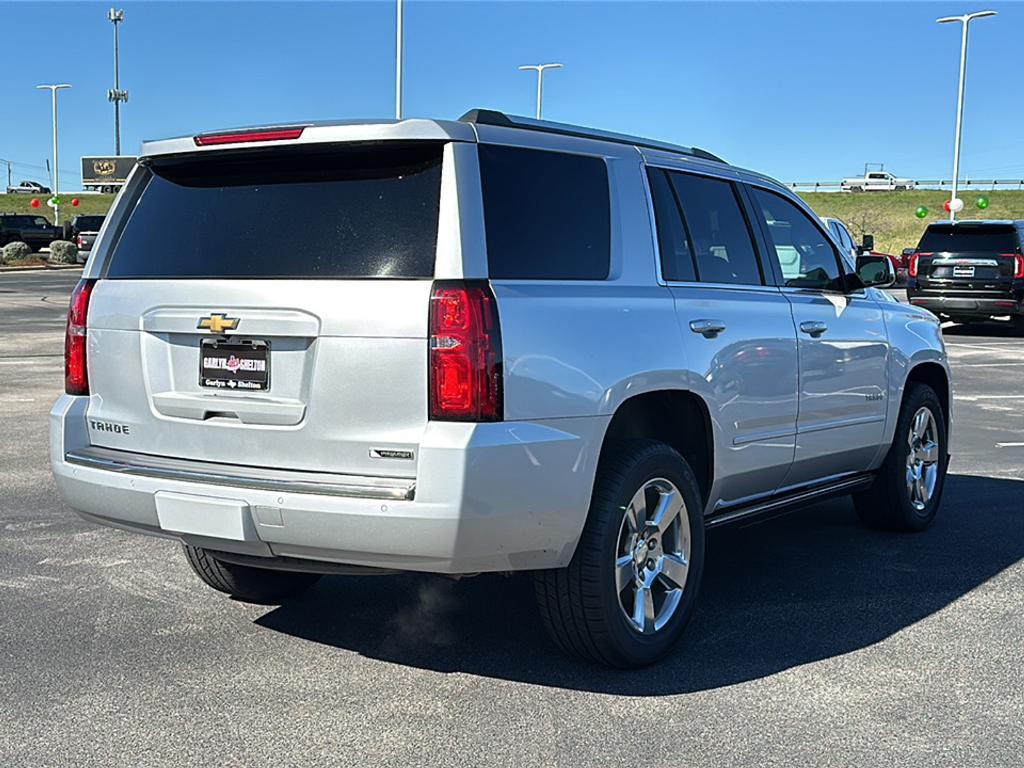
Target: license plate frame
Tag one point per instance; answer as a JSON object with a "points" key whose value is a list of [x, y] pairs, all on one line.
{"points": [[223, 364], [961, 271]]}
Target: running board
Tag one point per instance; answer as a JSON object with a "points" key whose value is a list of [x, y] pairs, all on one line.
{"points": [[789, 502]]}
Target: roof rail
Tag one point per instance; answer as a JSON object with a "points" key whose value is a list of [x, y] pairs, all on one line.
{"points": [[493, 117]]}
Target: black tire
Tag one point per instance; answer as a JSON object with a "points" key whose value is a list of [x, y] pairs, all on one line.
{"points": [[887, 504], [246, 583], [579, 604]]}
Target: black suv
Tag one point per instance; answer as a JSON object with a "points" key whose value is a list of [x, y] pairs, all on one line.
{"points": [[35, 231], [969, 270]]}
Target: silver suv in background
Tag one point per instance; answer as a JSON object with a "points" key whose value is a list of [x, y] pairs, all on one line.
{"points": [[495, 344]]}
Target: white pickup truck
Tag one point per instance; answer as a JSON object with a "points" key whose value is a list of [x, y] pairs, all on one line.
{"points": [[873, 181]]}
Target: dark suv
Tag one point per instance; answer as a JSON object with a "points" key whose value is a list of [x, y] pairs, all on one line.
{"points": [[36, 231], [969, 270]]}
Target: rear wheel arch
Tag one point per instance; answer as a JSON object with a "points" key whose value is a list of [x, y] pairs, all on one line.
{"points": [[678, 418]]}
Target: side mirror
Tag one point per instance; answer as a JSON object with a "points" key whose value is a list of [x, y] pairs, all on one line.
{"points": [[875, 271], [868, 245]]}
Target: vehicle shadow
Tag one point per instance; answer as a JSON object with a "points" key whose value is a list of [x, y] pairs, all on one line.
{"points": [[805, 587]]}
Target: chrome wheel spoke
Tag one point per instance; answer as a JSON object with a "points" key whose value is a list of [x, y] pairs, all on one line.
{"points": [[674, 569], [636, 512], [643, 610], [669, 504], [920, 423], [928, 452], [625, 575]]}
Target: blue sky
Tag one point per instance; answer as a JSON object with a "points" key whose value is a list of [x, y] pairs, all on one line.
{"points": [[803, 91]]}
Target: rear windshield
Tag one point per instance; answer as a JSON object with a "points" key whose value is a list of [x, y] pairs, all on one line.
{"points": [[964, 239], [355, 212], [89, 223]]}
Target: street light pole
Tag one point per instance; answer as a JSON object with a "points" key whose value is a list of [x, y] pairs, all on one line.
{"points": [[398, 60], [540, 80], [116, 95], [56, 176], [965, 20]]}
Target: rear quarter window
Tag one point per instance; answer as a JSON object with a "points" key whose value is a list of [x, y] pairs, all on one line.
{"points": [[547, 214], [342, 212]]}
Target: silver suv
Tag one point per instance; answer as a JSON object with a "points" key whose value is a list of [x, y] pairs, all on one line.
{"points": [[494, 344]]}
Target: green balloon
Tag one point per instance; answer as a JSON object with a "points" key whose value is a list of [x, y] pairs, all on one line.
{"points": [[921, 212], [982, 202]]}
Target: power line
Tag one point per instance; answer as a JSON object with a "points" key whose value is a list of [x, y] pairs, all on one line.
{"points": [[43, 168]]}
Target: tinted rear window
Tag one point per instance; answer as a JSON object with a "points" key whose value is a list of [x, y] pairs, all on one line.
{"points": [[89, 223], [547, 214], [718, 230], [963, 239], [353, 212]]}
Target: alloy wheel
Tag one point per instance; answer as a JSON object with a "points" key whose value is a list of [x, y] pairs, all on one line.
{"points": [[652, 556], [922, 458]]}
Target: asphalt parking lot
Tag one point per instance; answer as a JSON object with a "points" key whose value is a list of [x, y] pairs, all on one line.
{"points": [[817, 642]]}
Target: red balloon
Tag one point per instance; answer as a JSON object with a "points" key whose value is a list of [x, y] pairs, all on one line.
{"points": [[74, 202], [35, 202], [945, 206]]}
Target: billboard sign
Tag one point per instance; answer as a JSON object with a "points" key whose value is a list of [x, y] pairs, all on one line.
{"points": [[106, 170]]}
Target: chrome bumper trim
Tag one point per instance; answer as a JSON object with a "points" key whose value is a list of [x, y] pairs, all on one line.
{"points": [[280, 480]]}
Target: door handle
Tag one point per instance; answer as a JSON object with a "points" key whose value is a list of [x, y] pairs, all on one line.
{"points": [[709, 329], [813, 327]]}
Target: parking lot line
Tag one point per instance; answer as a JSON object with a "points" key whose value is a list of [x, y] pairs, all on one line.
{"points": [[987, 365], [972, 398]]}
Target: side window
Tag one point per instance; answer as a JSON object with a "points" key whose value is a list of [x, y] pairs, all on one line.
{"points": [[547, 214], [806, 257], [719, 235], [674, 245], [844, 237]]}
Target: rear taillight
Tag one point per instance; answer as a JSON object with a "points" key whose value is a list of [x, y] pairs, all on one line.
{"points": [[465, 352], [79, 241], [1018, 264], [912, 264], [76, 377]]}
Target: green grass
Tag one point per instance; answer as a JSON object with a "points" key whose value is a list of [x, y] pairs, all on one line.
{"points": [[889, 216], [87, 204]]}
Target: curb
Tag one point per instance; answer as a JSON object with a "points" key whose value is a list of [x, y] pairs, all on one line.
{"points": [[43, 268]]}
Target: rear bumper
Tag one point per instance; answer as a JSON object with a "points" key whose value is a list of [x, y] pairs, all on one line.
{"points": [[952, 300], [488, 497], [982, 306]]}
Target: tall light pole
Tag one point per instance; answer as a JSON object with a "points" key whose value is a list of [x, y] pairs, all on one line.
{"points": [[56, 176], [965, 20], [540, 80], [398, 61], [115, 94]]}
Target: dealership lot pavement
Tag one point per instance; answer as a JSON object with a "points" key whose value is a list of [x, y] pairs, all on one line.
{"points": [[817, 642]]}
